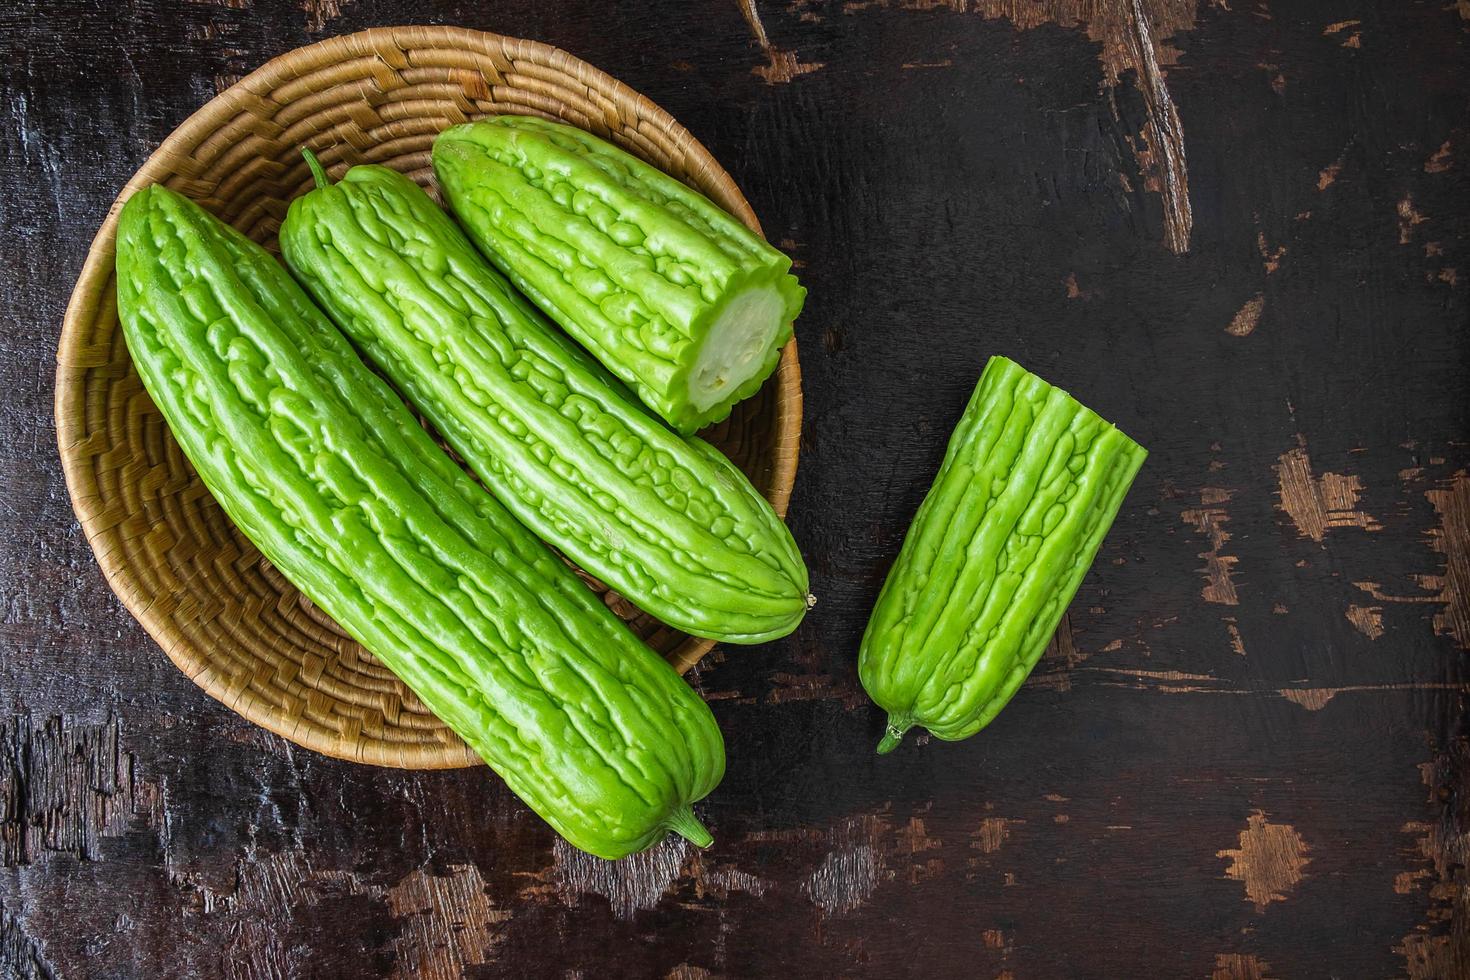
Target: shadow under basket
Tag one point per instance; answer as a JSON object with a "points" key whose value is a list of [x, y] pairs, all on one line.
{"points": [[219, 610]]}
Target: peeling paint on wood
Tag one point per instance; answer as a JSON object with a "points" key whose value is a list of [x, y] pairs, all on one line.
{"points": [[1440, 160], [1316, 698], [1243, 324], [1350, 37], [1367, 620], [1409, 216], [852, 870], [319, 13], [1237, 642], [913, 844], [1436, 947], [787, 687], [1164, 161], [262, 905], [1210, 520], [1062, 655], [782, 66], [1269, 860], [1452, 540], [844, 879], [1270, 256], [1316, 504], [722, 881], [1311, 698], [1240, 966], [1328, 175], [1431, 957], [448, 923], [1375, 589], [629, 885], [992, 834]]}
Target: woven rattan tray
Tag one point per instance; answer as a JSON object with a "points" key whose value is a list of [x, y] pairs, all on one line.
{"points": [[216, 607]]}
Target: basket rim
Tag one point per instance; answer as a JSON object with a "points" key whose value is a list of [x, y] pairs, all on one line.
{"points": [[97, 270]]}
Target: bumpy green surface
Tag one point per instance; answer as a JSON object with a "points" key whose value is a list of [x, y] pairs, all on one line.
{"points": [[1029, 486], [315, 459], [632, 263], [665, 521]]}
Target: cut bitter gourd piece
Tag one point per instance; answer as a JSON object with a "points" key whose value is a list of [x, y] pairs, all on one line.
{"points": [[735, 346], [674, 295], [1029, 486], [316, 460]]}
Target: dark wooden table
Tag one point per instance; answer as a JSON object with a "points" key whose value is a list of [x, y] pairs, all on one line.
{"points": [[1240, 229]]}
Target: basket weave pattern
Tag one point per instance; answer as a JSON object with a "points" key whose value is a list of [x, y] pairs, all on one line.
{"points": [[219, 610]]}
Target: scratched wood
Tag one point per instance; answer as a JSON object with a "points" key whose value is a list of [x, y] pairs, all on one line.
{"points": [[1239, 229]]}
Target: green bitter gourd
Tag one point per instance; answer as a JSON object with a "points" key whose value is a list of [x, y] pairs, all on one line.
{"points": [[328, 473], [674, 295], [1029, 486]]}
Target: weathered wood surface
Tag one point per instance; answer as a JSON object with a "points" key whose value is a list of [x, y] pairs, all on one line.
{"points": [[1239, 229]]}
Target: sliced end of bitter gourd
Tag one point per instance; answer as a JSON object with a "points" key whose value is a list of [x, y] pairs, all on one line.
{"points": [[735, 348]]}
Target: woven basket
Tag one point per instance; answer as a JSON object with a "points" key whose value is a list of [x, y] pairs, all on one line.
{"points": [[218, 609]]}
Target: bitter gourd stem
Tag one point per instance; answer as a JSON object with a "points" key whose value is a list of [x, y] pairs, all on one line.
{"points": [[897, 725], [684, 823], [318, 172]]}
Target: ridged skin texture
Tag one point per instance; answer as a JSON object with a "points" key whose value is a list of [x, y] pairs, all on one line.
{"points": [[632, 263], [319, 463], [665, 521], [1030, 484]]}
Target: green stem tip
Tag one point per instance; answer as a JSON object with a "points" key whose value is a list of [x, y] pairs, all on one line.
{"points": [[318, 172], [684, 823], [894, 734]]}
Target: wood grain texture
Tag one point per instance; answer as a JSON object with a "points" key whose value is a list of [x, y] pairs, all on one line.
{"points": [[1246, 755]]}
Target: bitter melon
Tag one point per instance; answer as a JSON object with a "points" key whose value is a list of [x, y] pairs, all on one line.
{"points": [[671, 293], [1029, 485], [666, 521], [328, 473]]}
